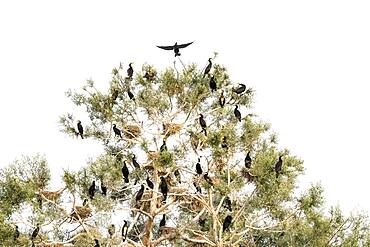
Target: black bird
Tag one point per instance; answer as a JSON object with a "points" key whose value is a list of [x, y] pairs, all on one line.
{"points": [[177, 175], [149, 183], [103, 189], [124, 231], [125, 172], [202, 222], [203, 123], [222, 100], [198, 167], [92, 189], [224, 142], [130, 71], [96, 243], [278, 166], [208, 68], [163, 147], [240, 89], [213, 84], [117, 132], [80, 129], [164, 188], [208, 179], [176, 48], [237, 113], [16, 233], [134, 162], [130, 95], [111, 230], [115, 94], [228, 203], [35, 232], [227, 223], [197, 187], [248, 161], [84, 203], [163, 221], [140, 193]]}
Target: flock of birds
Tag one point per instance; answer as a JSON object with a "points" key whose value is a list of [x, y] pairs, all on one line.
{"points": [[163, 186]]}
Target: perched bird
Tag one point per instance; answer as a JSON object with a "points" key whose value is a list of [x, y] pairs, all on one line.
{"points": [[111, 230], [140, 193], [35, 232], [163, 221], [164, 188], [163, 147], [103, 189], [208, 68], [149, 183], [117, 132], [80, 129], [237, 113], [124, 231], [278, 166], [228, 203], [240, 89], [197, 187], [224, 142], [176, 48], [115, 94], [130, 71], [248, 161], [130, 95], [134, 162], [222, 100], [203, 123], [213, 84], [96, 243], [84, 203], [177, 175], [208, 179], [198, 167], [92, 189], [16, 233], [227, 223], [125, 172]]}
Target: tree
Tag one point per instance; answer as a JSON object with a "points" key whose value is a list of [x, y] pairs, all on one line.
{"points": [[188, 179]]}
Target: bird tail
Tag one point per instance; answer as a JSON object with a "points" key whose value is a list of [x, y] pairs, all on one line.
{"points": [[82, 136], [127, 180], [277, 175], [205, 131], [178, 54]]}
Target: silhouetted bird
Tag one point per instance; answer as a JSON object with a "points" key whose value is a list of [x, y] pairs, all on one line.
{"points": [[208, 179], [124, 231], [163, 221], [134, 162], [237, 114], [176, 48], [35, 232], [84, 203], [96, 243], [228, 203], [125, 172], [111, 230], [224, 142], [149, 183], [117, 132], [197, 187], [130, 95], [278, 166], [80, 129], [114, 94], [177, 175], [213, 84], [92, 189], [248, 161], [103, 189], [208, 68], [198, 167], [140, 193], [203, 123], [130, 71], [240, 89], [16, 233], [227, 223], [222, 100], [163, 147], [164, 188]]}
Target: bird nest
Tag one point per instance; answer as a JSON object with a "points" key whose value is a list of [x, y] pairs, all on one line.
{"points": [[51, 195], [152, 155], [191, 203], [81, 212], [132, 131], [171, 129]]}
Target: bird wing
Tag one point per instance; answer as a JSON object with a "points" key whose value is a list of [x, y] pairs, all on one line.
{"points": [[185, 45], [170, 47]]}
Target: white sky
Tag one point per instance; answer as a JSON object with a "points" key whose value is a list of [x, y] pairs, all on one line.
{"points": [[307, 60]]}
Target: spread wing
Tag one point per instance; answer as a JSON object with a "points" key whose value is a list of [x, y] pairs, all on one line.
{"points": [[166, 47], [185, 45]]}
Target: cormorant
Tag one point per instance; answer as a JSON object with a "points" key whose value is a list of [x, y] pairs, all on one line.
{"points": [[84, 203], [149, 183], [198, 167], [163, 147], [227, 223], [203, 123], [111, 230], [80, 129], [197, 187], [213, 84], [222, 100], [163, 221], [224, 144], [237, 113], [130, 94], [124, 231], [16, 233], [208, 68], [117, 132], [278, 166], [103, 189], [248, 161], [176, 48], [240, 89], [140, 193], [114, 94], [228, 203], [35, 231], [92, 190], [96, 243], [178, 175], [130, 71], [164, 188], [125, 172], [134, 162], [208, 179]]}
